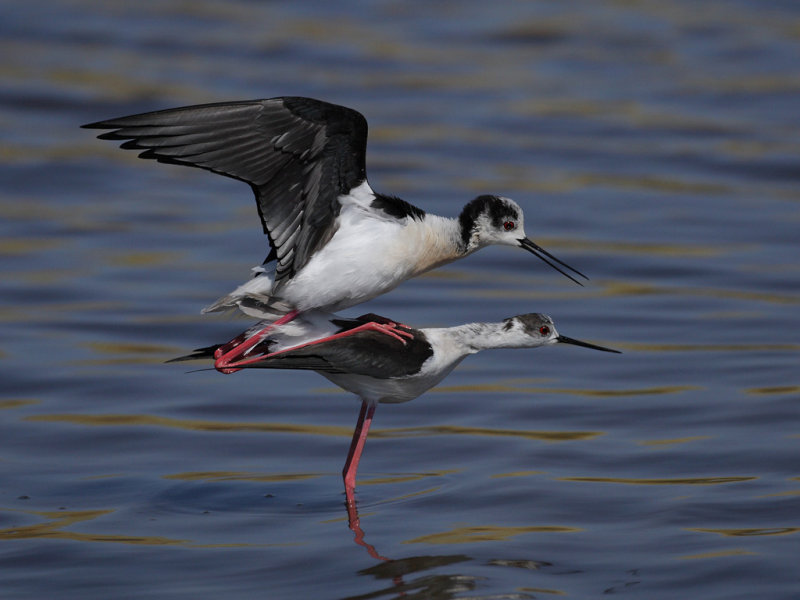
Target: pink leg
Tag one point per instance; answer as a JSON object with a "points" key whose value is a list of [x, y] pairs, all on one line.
{"points": [[229, 354], [231, 365], [394, 329], [391, 329], [357, 447]]}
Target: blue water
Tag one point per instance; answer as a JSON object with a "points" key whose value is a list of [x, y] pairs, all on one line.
{"points": [[653, 145]]}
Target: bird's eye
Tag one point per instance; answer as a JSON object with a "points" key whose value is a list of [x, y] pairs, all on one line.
{"points": [[509, 225], [544, 330]]}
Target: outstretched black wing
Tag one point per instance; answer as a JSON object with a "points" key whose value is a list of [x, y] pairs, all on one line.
{"points": [[298, 155]]}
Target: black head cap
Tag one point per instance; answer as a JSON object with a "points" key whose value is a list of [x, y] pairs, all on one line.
{"points": [[498, 210]]}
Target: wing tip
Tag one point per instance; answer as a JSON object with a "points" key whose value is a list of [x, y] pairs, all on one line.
{"points": [[106, 124]]}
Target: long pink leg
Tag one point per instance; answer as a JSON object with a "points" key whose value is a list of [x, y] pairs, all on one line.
{"points": [[226, 355], [391, 329], [357, 447], [231, 366]]}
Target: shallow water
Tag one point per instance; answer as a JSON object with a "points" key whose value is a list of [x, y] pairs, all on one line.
{"points": [[653, 145]]}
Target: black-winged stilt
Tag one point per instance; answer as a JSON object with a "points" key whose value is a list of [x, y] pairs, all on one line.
{"points": [[358, 356], [334, 242]]}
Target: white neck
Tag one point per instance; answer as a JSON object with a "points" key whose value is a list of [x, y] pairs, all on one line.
{"points": [[474, 337], [437, 240]]}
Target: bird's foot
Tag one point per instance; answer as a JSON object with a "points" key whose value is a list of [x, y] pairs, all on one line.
{"points": [[230, 357], [392, 329]]}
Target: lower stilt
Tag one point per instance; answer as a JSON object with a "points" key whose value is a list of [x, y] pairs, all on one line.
{"points": [[357, 447]]}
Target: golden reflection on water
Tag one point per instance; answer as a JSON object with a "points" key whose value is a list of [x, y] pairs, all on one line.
{"points": [[50, 277], [486, 533], [118, 85], [647, 249], [636, 113], [91, 217], [240, 476], [17, 246], [53, 528], [728, 294], [611, 289], [748, 532], [17, 403], [331, 430], [567, 183], [781, 494], [11, 314], [517, 474], [677, 481], [718, 554], [648, 183], [124, 353], [711, 347], [545, 436], [126, 348], [543, 591], [494, 388], [58, 520], [144, 258], [193, 424], [778, 389], [407, 477], [673, 441]]}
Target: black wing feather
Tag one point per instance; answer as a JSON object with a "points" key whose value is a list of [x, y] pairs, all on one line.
{"points": [[298, 155], [364, 353]]}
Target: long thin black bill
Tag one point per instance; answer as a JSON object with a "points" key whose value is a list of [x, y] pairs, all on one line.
{"points": [[568, 340], [541, 253]]}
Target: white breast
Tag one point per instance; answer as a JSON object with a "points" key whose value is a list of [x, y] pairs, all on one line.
{"points": [[446, 356], [367, 256]]}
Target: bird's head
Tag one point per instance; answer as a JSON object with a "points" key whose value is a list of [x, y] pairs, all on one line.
{"points": [[490, 220], [532, 330]]}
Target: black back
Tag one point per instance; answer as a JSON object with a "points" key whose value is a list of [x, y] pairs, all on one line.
{"points": [[397, 208], [369, 353], [364, 352]]}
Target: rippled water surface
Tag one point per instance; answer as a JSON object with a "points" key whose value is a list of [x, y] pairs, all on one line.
{"points": [[653, 145]]}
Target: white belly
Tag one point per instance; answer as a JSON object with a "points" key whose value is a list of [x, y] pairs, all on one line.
{"points": [[366, 257], [401, 389]]}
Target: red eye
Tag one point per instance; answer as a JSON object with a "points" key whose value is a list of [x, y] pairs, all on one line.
{"points": [[508, 225], [544, 330]]}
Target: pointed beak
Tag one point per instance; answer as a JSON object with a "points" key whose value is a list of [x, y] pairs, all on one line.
{"points": [[543, 254], [568, 340]]}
